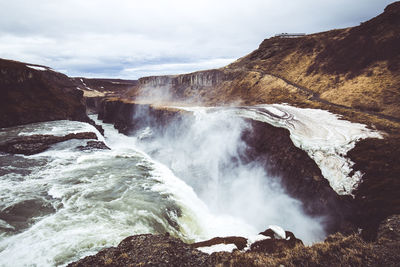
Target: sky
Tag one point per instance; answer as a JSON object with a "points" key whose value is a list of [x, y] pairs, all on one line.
{"points": [[130, 39]]}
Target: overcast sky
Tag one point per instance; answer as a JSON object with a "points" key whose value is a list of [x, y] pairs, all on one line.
{"points": [[135, 38]]}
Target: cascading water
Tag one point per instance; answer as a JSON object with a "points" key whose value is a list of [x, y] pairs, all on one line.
{"points": [[64, 203]]}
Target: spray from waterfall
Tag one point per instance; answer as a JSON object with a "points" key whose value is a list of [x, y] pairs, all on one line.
{"points": [[205, 151]]}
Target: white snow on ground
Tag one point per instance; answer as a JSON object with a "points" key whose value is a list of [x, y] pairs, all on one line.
{"points": [[218, 248], [36, 68], [252, 239], [279, 232], [323, 135]]}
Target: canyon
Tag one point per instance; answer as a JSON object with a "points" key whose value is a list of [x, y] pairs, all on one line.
{"points": [[353, 73]]}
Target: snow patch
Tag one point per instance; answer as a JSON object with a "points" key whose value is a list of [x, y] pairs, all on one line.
{"points": [[218, 248], [252, 239], [37, 67], [279, 232]]}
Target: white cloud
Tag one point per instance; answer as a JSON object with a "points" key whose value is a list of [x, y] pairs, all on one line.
{"points": [[100, 37], [174, 68]]}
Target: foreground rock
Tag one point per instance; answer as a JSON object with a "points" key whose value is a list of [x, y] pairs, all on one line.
{"points": [[33, 144], [337, 250], [148, 250]]}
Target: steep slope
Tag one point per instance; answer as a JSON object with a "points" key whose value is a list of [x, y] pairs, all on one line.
{"points": [[33, 93], [355, 67]]}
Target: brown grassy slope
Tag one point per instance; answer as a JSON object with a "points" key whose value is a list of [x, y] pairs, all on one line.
{"points": [[357, 67]]}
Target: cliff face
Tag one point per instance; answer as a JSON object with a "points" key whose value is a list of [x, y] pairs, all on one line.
{"points": [[31, 93]]}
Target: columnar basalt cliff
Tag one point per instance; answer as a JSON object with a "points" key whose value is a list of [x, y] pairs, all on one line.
{"points": [[128, 117], [32, 93]]}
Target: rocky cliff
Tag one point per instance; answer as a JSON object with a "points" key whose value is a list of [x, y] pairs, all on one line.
{"points": [[32, 93]]}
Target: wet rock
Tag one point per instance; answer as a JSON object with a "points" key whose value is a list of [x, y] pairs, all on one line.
{"points": [[147, 250], [90, 145], [20, 215], [33, 144]]}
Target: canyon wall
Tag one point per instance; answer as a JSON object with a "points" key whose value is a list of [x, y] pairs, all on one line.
{"points": [[31, 93]]}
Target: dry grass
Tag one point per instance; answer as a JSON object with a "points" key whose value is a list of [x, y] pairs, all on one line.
{"points": [[337, 250]]}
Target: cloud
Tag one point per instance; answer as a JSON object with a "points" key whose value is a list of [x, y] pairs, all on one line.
{"points": [[113, 38]]}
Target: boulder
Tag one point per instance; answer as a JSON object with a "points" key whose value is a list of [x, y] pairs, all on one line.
{"points": [[90, 145], [277, 240]]}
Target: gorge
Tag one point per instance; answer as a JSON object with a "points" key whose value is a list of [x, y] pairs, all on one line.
{"points": [[290, 155]]}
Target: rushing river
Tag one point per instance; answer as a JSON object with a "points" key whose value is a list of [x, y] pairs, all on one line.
{"points": [[63, 204]]}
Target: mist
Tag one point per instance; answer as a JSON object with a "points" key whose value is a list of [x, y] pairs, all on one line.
{"points": [[205, 151]]}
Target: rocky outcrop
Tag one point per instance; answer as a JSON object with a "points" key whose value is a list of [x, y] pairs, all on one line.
{"points": [[147, 250], [31, 93], [33, 144], [271, 243], [183, 87], [336, 250], [92, 145], [129, 116], [276, 245], [378, 195]]}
